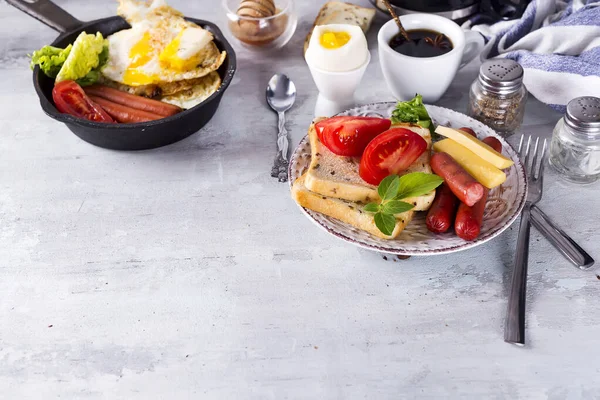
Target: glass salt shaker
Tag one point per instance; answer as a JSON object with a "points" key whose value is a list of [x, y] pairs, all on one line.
{"points": [[575, 146], [497, 97]]}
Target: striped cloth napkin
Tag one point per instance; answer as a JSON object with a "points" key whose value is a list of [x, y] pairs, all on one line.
{"points": [[558, 45]]}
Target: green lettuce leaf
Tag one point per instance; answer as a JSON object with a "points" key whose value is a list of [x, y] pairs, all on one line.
{"points": [[103, 56], [80, 61], [413, 111], [84, 57], [50, 59], [94, 75], [91, 77]]}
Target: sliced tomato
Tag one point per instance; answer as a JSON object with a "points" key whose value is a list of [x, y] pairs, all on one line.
{"points": [[390, 153], [348, 136], [70, 98], [321, 125]]}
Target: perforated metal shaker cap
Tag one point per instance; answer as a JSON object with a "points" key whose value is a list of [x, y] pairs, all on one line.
{"points": [[583, 113], [502, 76]]}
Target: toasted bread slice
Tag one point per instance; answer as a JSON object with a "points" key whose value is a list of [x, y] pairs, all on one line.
{"points": [[336, 12], [335, 176], [346, 211]]}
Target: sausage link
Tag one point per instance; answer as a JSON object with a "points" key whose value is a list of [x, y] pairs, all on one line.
{"points": [[469, 219], [493, 143], [469, 131], [441, 213], [463, 185], [132, 101], [123, 113]]}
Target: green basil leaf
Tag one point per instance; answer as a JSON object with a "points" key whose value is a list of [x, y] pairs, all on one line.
{"points": [[385, 223], [371, 207], [417, 184], [394, 207], [388, 188]]}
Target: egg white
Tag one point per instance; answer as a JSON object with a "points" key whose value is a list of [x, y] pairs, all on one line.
{"points": [[154, 26]]}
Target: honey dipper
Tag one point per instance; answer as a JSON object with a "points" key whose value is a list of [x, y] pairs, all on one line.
{"points": [[256, 8]]}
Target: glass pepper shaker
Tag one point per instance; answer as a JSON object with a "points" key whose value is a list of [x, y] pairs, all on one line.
{"points": [[497, 97], [575, 146]]}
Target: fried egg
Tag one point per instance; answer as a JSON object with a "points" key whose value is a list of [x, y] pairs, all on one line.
{"points": [[337, 47], [161, 46], [200, 91]]}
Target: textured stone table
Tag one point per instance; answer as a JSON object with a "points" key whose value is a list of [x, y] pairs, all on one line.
{"points": [[188, 272]]}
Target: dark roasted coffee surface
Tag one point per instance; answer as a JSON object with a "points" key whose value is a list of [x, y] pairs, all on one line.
{"points": [[425, 43]]}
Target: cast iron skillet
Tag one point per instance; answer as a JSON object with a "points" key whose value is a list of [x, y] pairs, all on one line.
{"points": [[139, 136]]}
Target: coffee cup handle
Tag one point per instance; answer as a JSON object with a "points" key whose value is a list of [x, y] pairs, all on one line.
{"points": [[473, 45]]}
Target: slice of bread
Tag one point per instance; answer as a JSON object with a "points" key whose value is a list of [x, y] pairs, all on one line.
{"points": [[346, 211], [334, 176], [336, 12]]}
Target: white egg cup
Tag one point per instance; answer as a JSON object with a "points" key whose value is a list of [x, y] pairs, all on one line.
{"points": [[337, 89]]}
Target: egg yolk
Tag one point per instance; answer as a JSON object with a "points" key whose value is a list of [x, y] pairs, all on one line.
{"points": [[140, 54], [133, 77], [169, 58], [334, 40]]}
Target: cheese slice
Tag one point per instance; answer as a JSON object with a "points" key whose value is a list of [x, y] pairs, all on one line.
{"points": [[487, 174], [476, 146]]}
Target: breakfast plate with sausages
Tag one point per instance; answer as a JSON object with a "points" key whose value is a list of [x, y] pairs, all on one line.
{"points": [[407, 178]]}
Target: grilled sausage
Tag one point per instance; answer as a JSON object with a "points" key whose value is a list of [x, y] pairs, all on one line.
{"points": [[463, 185], [469, 131], [442, 211], [123, 113], [469, 219], [132, 101]]}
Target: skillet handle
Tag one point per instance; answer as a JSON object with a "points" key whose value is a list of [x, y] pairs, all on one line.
{"points": [[48, 13]]}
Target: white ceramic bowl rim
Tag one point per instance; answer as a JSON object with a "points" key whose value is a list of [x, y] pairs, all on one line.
{"points": [[324, 71], [412, 21], [233, 14]]}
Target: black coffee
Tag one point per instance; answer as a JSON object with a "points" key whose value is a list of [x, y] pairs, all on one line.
{"points": [[424, 43]]}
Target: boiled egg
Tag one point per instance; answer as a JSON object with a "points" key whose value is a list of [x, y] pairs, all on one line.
{"points": [[337, 48]]}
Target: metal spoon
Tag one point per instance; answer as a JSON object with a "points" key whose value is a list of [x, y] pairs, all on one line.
{"points": [[281, 95]]}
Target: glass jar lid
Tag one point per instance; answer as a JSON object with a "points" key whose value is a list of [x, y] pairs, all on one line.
{"points": [[583, 114], [502, 76]]}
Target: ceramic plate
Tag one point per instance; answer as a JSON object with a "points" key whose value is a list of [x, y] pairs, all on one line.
{"points": [[504, 202]]}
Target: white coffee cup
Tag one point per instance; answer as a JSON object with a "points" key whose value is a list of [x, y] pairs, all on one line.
{"points": [[427, 76]]}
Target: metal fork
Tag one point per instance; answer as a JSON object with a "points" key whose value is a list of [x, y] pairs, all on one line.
{"points": [[514, 330]]}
